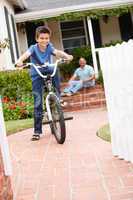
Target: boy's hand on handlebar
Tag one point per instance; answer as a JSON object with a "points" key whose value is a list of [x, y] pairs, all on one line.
{"points": [[69, 58], [19, 65]]}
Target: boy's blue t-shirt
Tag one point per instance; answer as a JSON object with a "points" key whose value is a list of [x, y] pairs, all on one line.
{"points": [[39, 57]]}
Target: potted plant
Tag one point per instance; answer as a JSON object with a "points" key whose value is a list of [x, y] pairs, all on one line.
{"points": [[4, 44]]}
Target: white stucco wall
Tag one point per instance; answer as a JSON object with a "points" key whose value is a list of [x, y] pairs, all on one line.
{"points": [[5, 56], [110, 31]]}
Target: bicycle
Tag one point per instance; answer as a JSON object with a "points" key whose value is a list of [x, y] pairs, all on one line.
{"points": [[55, 115]]}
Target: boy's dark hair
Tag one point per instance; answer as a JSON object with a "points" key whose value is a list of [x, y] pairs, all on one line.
{"points": [[42, 29]]}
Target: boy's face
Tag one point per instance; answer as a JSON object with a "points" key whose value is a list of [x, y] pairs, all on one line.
{"points": [[43, 39]]}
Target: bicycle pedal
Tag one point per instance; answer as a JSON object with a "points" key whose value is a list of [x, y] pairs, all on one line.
{"points": [[46, 122], [68, 118]]}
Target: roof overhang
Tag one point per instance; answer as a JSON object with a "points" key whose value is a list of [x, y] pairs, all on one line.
{"points": [[19, 3], [34, 15]]}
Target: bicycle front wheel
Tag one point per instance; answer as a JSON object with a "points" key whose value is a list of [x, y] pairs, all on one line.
{"points": [[57, 126]]}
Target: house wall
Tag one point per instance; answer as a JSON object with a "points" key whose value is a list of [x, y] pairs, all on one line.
{"points": [[22, 39], [56, 37], [110, 31], [5, 56]]}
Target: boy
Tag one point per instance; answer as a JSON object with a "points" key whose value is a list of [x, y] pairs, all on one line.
{"points": [[39, 54]]}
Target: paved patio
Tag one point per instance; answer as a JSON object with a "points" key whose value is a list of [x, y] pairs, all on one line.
{"points": [[81, 169]]}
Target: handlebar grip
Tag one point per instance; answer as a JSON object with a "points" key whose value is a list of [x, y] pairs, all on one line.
{"points": [[22, 66], [15, 65], [63, 60], [26, 66]]}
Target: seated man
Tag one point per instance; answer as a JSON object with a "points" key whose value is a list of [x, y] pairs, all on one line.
{"points": [[84, 76]]}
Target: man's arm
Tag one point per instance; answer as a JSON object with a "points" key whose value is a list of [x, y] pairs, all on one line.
{"points": [[89, 79], [72, 78], [75, 75], [92, 75]]}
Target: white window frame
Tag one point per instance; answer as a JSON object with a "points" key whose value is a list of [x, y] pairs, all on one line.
{"points": [[84, 36]]}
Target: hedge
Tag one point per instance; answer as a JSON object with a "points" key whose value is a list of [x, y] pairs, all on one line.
{"points": [[16, 92], [15, 84]]}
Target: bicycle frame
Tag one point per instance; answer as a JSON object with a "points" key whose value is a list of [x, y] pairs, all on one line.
{"points": [[45, 77], [48, 106], [55, 114]]}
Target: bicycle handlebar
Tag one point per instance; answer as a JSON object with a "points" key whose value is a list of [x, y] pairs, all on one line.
{"points": [[37, 67]]}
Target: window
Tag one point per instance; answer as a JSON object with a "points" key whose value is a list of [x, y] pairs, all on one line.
{"points": [[126, 27], [73, 35]]}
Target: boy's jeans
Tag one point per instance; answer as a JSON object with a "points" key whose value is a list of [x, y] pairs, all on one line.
{"points": [[77, 85], [38, 92]]}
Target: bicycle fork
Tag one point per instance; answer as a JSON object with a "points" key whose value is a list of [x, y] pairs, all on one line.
{"points": [[48, 106]]}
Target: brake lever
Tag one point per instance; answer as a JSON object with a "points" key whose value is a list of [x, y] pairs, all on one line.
{"points": [[63, 60]]}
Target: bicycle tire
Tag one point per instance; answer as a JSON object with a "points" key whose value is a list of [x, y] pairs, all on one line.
{"points": [[58, 119]]}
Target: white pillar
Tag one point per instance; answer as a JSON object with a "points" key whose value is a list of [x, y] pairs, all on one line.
{"points": [[4, 144], [92, 46]]}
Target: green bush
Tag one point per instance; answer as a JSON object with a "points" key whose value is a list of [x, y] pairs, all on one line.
{"points": [[100, 78], [112, 43], [14, 110], [68, 69], [82, 52], [15, 89], [15, 84]]}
